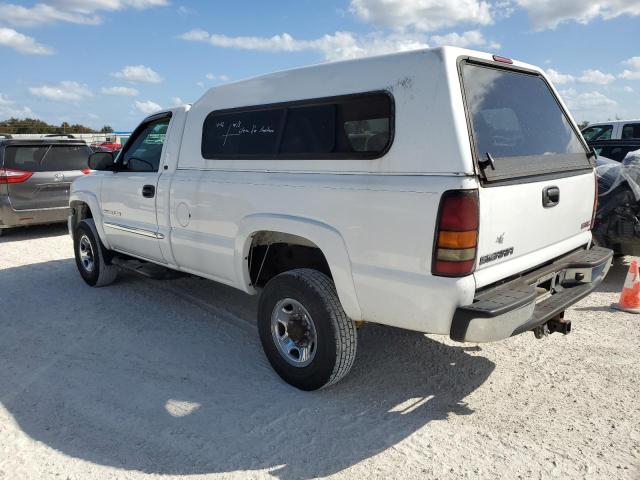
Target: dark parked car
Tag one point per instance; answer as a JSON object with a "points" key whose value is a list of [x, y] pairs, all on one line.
{"points": [[35, 176], [614, 149], [617, 220]]}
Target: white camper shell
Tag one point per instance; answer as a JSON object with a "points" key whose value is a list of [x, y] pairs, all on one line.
{"points": [[444, 190]]}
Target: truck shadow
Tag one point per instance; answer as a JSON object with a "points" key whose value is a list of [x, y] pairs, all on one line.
{"points": [[37, 231], [169, 378]]}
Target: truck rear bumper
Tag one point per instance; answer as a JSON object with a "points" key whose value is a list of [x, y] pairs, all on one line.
{"points": [[531, 300]]}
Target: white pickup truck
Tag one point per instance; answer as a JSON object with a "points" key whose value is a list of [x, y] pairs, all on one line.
{"points": [[445, 191]]}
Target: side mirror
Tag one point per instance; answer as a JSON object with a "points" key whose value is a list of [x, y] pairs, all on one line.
{"points": [[101, 161]]}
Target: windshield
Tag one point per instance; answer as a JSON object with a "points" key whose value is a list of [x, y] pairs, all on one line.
{"points": [[517, 120]]}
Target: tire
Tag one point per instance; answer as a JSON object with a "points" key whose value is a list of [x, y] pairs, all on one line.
{"points": [[306, 301], [92, 258]]}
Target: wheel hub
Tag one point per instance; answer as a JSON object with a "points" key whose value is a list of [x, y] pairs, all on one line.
{"points": [[86, 253], [293, 332]]}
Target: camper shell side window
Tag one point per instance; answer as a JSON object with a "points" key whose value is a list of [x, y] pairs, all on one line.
{"points": [[358, 126]]}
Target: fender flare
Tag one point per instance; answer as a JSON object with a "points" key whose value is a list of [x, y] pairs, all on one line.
{"points": [[327, 238], [90, 199]]}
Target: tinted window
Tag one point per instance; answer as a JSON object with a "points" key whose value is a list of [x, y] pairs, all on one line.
{"points": [[242, 133], [631, 130], [24, 158], [61, 157], [47, 158], [615, 152], [309, 130], [145, 147], [598, 132], [515, 116], [354, 126]]}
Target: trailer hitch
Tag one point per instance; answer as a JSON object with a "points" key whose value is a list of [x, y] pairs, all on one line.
{"points": [[553, 325]]}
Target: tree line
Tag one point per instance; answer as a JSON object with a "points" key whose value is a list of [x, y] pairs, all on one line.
{"points": [[34, 126]]}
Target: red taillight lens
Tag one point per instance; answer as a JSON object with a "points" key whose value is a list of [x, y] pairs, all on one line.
{"points": [[456, 240], [86, 171], [500, 59], [13, 176]]}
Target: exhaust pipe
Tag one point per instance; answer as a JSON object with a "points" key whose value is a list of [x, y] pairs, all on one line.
{"points": [[555, 324]]}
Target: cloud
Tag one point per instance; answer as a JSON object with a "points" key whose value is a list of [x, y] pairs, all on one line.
{"points": [[597, 77], [121, 91], [66, 91], [634, 72], [421, 15], [588, 76], [82, 12], [590, 105], [472, 38], [8, 109], [221, 78], [138, 73], [22, 43], [551, 13], [628, 89], [177, 101], [148, 107], [5, 101], [11, 111], [633, 62], [339, 46], [559, 78]]}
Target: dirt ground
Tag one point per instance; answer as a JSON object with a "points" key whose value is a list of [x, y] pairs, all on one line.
{"points": [[148, 378]]}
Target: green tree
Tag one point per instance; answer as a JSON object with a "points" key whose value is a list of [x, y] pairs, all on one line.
{"points": [[106, 129], [36, 126]]}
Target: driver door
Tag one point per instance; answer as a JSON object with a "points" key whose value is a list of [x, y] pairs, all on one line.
{"points": [[128, 195]]}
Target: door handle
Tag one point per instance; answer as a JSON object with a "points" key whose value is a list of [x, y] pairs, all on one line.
{"points": [[148, 191], [550, 197]]}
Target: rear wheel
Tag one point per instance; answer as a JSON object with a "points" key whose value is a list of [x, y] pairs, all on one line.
{"points": [[92, 258], [305, 333]]}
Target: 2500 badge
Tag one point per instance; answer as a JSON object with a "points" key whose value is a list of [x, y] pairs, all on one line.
{"points": [[496, 255]]}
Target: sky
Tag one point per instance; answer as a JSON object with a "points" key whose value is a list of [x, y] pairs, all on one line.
{"points": [[112, 62]]}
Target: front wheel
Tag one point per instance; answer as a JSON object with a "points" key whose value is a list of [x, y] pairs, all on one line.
{"points": [[306, 335], [92, 258]]}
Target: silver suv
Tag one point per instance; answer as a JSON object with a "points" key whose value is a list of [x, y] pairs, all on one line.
{"points": [[35, 176]]}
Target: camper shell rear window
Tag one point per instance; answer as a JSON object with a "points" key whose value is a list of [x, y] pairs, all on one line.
{"points": [[517, 123], [358, 126]]}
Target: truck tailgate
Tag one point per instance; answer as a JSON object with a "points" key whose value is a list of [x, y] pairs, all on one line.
{"points": [[521, 226]]}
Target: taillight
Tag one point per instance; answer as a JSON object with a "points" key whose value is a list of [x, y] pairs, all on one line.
{"points": [[500, 59], [13, 176], [456, 240], [86, 171]]}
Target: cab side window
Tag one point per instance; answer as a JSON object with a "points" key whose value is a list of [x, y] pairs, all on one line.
{"points": [[631, 130], [144, 149]]}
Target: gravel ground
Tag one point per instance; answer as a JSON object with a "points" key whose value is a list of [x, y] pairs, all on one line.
{"points": [[147, 378]]}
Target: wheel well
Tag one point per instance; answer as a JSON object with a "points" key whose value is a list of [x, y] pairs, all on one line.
{"points": [[272, 253], [79, 211]]}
